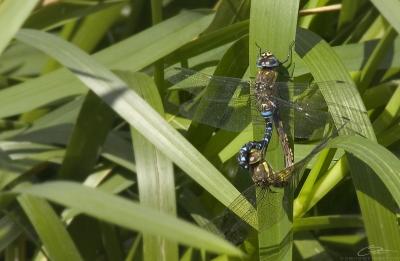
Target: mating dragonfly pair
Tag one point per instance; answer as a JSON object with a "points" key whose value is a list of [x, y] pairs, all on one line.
{"points": [[232, 104]]}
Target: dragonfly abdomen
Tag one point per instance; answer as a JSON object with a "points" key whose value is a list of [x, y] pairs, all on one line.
{"points": [[263, 90], [243, 157]]}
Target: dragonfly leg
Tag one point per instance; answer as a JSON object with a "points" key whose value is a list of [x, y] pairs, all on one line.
{"points": [[259, 49], [289, 55]]}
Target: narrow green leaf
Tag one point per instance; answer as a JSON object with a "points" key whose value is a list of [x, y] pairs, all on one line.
{"points": [[136, 112], [133, 250], [94, 27], [156, 11], [113, 185], [209, 41], [306, 21], [390, 10], [19, 60], [154, 170], [60, 13], [390, 136], [308, 247], [311, 49], [84, 145], [273, 27], [229, 12], [352, 55], [349, 11], [390, 114], [379, 95], [375, 59], [328, 222], [134, 53], [111, 241], [128, 214], [384, 163], [9, 231], [12, 15], [51, 231], [9, 169]]}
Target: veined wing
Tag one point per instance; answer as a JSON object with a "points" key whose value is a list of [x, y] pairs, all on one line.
{"points": [[236, 229], [193, 81], [310, 116], [236, 90], [312, 91], [274, 200], [307, 109], [226, 103], [294, 173], [222, 102]]}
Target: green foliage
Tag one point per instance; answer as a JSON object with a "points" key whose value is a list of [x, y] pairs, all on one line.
{"points": [[96, 162]]}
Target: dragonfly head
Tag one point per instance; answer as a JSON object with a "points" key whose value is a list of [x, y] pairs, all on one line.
{"points": [[267, 60]]}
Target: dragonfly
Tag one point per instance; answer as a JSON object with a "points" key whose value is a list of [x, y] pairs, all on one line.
{"points": [[232, 103], [263, 194], [264, 91]]}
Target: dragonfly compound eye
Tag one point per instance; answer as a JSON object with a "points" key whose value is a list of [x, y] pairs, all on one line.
{"points": [[267, 60]]}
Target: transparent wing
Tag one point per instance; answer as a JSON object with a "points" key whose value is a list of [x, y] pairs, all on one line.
{"points": [[236, 229], [193, 81], [293, 174], [312, 123], [226, 103]]}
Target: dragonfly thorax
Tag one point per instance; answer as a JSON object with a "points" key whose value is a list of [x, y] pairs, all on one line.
{"points": [[264, 90], [267, 61]]}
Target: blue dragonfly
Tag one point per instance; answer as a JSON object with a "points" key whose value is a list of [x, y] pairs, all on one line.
{"points": [[232, 104]]}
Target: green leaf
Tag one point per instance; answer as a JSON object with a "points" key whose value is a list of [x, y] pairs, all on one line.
{"points": [[273, 27], [95, 26], [348, 11], [110, 239], [390, 10], [9, 231], [51, 231], [12, 15], [390, 114], [84, 145], [114, 184], [384, 163], [311, 49], [9, 169], [128, 214], [229, 12], [370, 68], [136, 112], [134, 53], [59, 13], [19, 60], [154, 170], [327, 222], [308, 247]]}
